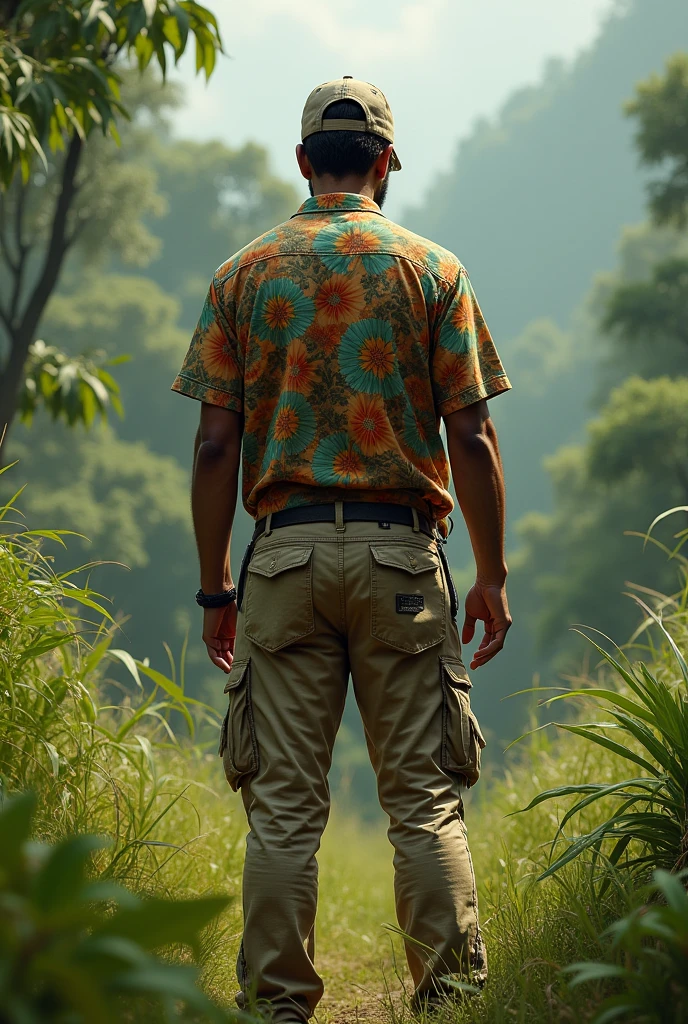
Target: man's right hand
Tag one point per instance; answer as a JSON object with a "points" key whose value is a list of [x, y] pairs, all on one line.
{"points": [[219, 634], [488, 603]]}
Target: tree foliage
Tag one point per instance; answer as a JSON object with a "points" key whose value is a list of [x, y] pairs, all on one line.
{"points": [[645, 311], [575, 562], [58, 66], [661, 110], [76, 389]]}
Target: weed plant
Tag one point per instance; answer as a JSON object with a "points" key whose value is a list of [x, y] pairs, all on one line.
{"points": [[124, 760]]}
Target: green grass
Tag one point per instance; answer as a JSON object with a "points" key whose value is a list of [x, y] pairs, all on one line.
{"points": [[132, 757]]}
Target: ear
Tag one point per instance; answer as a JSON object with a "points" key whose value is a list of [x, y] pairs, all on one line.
{"points": [[381, 165], [303, 162]]}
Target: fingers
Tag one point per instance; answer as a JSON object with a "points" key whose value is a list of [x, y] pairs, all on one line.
{"points": [[220, 651], [491, 644], [468, 631]]}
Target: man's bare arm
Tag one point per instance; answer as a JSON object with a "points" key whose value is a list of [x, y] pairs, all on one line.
{"points": [[479, 483], [217, 452]]}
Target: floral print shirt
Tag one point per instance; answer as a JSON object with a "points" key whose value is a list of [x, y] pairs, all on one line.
{"points": [[343, 339]]}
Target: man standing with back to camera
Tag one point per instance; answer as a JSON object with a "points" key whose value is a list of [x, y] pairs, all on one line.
{"points": [[329, 350]]}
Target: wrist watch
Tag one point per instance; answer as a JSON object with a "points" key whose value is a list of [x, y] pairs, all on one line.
{"points": [[216, 600]]}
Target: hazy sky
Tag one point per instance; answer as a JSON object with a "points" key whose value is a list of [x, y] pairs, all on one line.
{"points": [[441, 63]]}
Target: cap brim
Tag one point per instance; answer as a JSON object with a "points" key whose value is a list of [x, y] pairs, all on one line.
{"points": [[395, 162]]}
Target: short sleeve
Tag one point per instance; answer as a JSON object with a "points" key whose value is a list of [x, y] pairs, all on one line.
{"points": [[211, 371], [465, 365]]}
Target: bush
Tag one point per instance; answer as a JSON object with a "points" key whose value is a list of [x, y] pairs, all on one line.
{"points": [[652, 944], [88, 758], [648, 706], [77, 950]]}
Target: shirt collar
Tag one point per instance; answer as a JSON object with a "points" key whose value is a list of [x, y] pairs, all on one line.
{"points": [[338, 202]]}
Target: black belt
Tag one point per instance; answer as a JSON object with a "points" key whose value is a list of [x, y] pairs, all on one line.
{"points": [[353, 512]]}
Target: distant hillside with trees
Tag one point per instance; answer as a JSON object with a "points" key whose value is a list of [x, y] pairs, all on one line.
{"points": [[537, 197]]}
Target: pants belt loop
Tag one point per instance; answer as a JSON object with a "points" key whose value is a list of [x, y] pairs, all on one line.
{"points": [[268, 524], [416, 524], [339, 516]]}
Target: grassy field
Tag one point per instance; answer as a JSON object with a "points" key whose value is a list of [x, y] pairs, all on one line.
{"points": [[532, 928], [120, 758]]}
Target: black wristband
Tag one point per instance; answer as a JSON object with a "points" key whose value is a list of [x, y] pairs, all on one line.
{"points": [[216, 600]]}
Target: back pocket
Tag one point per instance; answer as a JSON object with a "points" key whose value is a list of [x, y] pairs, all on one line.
{"points": [[408, 604], [238, 744], [462, 740], [278, 607]]}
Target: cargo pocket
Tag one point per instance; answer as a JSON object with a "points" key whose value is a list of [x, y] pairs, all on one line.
{"points": [[238, 745], [462, 739], [278, 607], [408, 604]]}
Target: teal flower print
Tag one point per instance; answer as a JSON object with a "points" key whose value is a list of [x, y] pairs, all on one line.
{"points": [[458, 332], [292, 427], [208, 315], [340, 243], [250, 449], [429, 286], [281, 311], [337, 460], [415, 435], [368, 359]]}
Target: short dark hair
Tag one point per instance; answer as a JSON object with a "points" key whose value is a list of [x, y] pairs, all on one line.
{"points": [[342, 153]]}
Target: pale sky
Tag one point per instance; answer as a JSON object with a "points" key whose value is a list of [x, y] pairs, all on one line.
{"points": [[441, 63]]}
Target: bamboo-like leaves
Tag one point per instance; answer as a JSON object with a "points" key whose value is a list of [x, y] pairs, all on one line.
{"points": [[649, 729]]}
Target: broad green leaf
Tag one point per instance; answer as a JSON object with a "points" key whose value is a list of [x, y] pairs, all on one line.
{"points": [[584, 972], [62, 877], [16, 816], [157, 923]]}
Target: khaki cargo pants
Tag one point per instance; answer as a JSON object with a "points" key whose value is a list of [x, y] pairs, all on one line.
{"points": [[320, 603]]}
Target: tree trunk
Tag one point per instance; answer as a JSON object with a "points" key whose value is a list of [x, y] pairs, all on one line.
{"points": [[23, 331]]}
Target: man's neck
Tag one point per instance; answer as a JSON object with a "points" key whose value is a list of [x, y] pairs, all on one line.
{"points": [[352, 184]]}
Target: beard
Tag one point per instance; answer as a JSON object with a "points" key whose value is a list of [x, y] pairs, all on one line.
{"points": [[381, 191], [379, 195]]}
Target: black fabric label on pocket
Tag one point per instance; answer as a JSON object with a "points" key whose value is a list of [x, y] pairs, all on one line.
{"points": [[410, 604]]}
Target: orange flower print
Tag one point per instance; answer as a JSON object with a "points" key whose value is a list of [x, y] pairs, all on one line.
{"points": [[347, 464], [329, 200], [339, 243], [450, 374], [337, 461], [253, 372], [369, 424], [281, 311], [462, 315], [418, 392], [218, 357], [325, 338], [368, 360], [339, 300], [377, 357], [258, 420], [300, 373], [286, 424], [458, 331]]}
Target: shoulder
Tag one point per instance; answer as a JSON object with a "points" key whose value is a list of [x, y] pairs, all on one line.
{"points": [[270, 243], [430, 256]]}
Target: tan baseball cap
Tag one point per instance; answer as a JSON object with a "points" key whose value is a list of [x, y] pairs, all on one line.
{"points": [[378, 116]]}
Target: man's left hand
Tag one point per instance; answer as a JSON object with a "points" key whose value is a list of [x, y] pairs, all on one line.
{"points": [[219, 633]]}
